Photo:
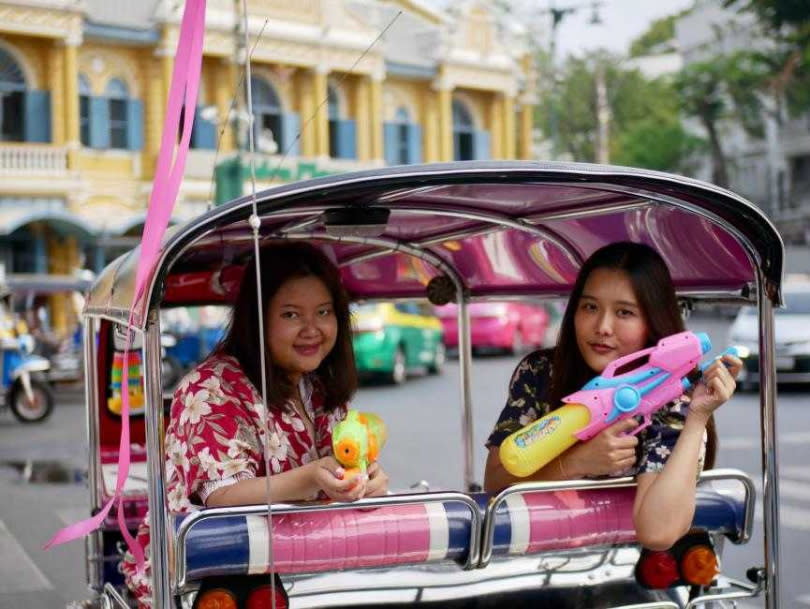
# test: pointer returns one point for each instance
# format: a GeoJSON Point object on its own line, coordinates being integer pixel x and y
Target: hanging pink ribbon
{"type": "Point", "coordinates": [169, 172]}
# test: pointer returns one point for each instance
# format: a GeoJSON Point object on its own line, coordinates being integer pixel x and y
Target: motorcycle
{"type": "Point", "coordinates": [22, 382]}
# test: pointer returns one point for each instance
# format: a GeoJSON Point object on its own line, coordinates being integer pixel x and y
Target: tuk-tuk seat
{"type": "Point", "coordinates": [328, 539]}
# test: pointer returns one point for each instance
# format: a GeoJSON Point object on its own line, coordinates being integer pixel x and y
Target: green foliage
{"type": "Point", "coordinates": [645, 129]}
{"type": "Point", "coordinates": [661, 31]}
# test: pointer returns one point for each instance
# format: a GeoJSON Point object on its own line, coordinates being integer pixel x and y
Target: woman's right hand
{"type": "Point", "coordinates": [608, 453]}
{"type": "Point", "coordinates": [326, 472]}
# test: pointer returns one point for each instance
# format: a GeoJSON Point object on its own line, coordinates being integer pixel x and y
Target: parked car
{"type": "Point", "coordinates": [392, 338]}
{"type": "Point", "coordinates": [512, 327]}
{"type": "Point", "coordinates": [791, 338]}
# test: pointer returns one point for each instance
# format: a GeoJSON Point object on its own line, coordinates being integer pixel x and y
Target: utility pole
{"type": "Point", "coordinates": [557, 15]}
{"type": "Point", "coordinates": [602, 116]}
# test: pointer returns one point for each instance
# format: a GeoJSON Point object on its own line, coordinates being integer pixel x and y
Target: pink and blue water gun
{"type": "Point", "coordinates": [636, 385]}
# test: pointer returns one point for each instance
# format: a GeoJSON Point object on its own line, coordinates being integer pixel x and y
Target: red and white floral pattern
{"type": "Point", "coordinates": [216, 437]}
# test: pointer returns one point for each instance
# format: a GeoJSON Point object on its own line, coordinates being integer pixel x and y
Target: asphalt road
{"type": "Point", "coordinates": [424, 418]}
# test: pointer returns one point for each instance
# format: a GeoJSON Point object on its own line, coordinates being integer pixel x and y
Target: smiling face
{"type": "Point", "coordinates": [608, 322]}
{"type": "Point", "coordinates": [301, 326]}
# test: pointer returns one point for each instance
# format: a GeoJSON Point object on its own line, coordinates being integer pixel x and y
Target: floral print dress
{"type": "Point", "coordinates": [528, 401]}
{"type": "Point", "coordinates": [215, 438]}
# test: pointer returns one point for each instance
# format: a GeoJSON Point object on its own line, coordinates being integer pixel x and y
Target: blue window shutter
{"type": "Point", "coordinates": [346, 140]}
{"type": "Point", "coordinates": [99, 122]}
{"type": "Point", "coordinates": [481, 145]}
{"type": "Point", "coordinates": [134, 124]}
{"type": "Point", "coordinates": [37, 122]}
{"type": "Point", "coordinates": [290, 126]}
{"type": "Point", "coordinates": [204, 133]}
{"type": "Point", "coordinates": [391, 143]}
{"type": "Point", "coordinates": [414, 143]}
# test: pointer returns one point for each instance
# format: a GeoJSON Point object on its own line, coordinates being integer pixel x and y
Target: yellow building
{"type": "Point", "coordinates": [84, 87]}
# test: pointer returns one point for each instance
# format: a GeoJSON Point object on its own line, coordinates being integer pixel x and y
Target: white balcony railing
{"type": "Point", "coordinates": [32, 160]}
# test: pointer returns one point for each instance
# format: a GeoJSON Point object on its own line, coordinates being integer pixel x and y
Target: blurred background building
{"type": "Point", "coordinates": [84, 85]}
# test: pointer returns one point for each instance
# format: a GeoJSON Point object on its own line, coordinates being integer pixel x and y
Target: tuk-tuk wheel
{"type": "Point", "coordinates": [31, 412]}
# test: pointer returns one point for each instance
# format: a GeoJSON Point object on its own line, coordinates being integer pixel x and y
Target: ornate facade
{"type": "Point", "coordinates": [337, 85]}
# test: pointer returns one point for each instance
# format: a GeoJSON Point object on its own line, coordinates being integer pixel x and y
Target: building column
{"type": "Point", "coordinates": [306, 112]}
{"type": "Point", "coordinates": [71, 105]}
{"type": "Point", "coordinates": [509, 148]}
{"type": "Point", "coordinates": [224, 84]}
{"type": "Point", "coordinates": [363, 118]}
{"type": "Point", "coordinates": [496, 127]}
{"type": "Point", "coordinates": [376, 114]}
{"type": "Point", "coordinates": [526, 125]}
{"type": "Point", "coordinates": [56, 83]}
{"type": "Point", "coordinates": [430, 135]}
{"type": "Point", "coordinates": [446, 125]}
{"type": "Point", "coordinates": [154, 115]}
{"type": "Point", "coordinates": [321, 122]}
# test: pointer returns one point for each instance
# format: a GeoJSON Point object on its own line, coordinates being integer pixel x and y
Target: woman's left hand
{"type": "Point", "coordinates": [377, 484]}
{"type": "Point", "coordinates": [717, 386]}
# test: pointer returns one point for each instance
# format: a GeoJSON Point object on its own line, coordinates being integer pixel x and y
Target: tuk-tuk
{"type": "Point", "coordinates": [466, 232]}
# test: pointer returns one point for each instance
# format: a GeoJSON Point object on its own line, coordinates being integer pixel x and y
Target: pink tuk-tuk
{"type": "Point", "coordinates": [462, 232]}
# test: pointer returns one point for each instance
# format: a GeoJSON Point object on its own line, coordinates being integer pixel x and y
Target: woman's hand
{"type": "Point", "coordinates": [377, 481]}
{"type": "Point", "coordinates": [327, 474]}
{"type": "Point", "coordinates": [608, 453]}
{"type": "Point", "coordinates": [716, 387]}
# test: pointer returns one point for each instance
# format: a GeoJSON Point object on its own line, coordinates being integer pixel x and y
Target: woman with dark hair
{"type": "Point", "coordinates": [622, 301]}
{"type": "Point", "coordinates": [220, 429]}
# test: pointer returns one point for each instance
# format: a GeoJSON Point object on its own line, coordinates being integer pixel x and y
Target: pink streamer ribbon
{"type": "Point", "coordinates": [168, 176]}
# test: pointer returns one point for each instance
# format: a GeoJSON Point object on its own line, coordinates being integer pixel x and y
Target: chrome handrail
{"type": "Point", "coordinates": [281, 508]}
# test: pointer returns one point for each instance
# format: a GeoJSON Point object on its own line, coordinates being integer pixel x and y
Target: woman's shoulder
{"type": "Point", "coordinates": [536, 363]}
{"type": "Point", "coordinates": [218, 365]}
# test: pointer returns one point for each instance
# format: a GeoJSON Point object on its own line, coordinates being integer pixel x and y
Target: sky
{"type": "Point", "coordinates": [622, 21]}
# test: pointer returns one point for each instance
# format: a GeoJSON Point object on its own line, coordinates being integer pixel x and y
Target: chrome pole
{"type": "Point", "coordinates": [770, 471]}
{"type": "Point", "coordinates": [158, 516]}
{"type": "Point", "coordinates": [465, 368]}
{"type": "Point", "coordinates": [94, 547]}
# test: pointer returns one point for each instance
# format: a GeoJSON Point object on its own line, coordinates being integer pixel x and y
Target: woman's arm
{"type": "Point", "coordinates": [665, 501]}
{"type": "Point", "coordinates": [296, 484]}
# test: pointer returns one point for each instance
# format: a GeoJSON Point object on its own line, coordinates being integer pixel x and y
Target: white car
{"type": "Point", "coordinates": [791, 337]}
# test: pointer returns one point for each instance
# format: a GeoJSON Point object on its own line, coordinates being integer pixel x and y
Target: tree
{"type": "Point", "coordinates": [645, 129]}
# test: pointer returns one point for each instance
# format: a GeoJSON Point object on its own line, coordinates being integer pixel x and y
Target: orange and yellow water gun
{"type": "Point", "coordinates": [357, 441]}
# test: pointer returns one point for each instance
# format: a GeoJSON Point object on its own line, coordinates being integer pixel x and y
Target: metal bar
{"type": "Point", "coordinates": [281, 509]}
{"type": "Point", "coordinates": [746, 591]}
{"type": "Point", "coordinates": [750, 496]}
{"type": "Point", "coordinates": [158, 511]}
{"type": "Point", "coordinates": [114, 598]}
{"type": "Point", "coordinates": [770, 470]}
{"type": "Point", "coordinates": [93, 544]}
{"type": "Point", "coordinates": [465, 369]}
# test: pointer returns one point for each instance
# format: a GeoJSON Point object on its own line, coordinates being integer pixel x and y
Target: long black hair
{"type": "Point", "coordinates": [280, 262]}
{"type": "Point", "coordinates": [655, 293]}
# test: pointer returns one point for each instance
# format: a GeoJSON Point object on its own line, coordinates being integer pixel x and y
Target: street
{"type": "Point", "coordinates": [424, 420]}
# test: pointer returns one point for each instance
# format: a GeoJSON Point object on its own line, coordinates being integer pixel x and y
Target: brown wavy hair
{"type": "Point", "coordinates": [336, 377]}
{"type": "Point", "coordinates": [655, 293]}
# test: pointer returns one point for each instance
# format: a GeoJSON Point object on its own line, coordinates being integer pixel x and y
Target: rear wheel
{"type": "Point", "coordinates": [439, 358]}
{"type": "Point", "coordinates": [399, 369]}
{"type": "Point", "coordinates": [37, 409]}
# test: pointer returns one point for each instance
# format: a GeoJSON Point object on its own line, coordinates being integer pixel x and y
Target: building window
{"type": "Point", "coordinates": [12, 94]}
{"type": "Point", "coordinates": [117, 96]}
{"type": "Point", "coordinates": [334, 116]}
{"type": "Point", "coordinates": [267, 115]}
{"type": "Point", "coordinates": [84, 110]}
{"type": "Point", "coordinates": [403, 137]}
{"type": "Point", "coordinates": [463, 132]}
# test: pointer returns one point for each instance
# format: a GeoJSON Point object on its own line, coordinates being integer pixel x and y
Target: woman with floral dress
{"type": "Point", "coordinates": [216, 438]}
{"type": "Point", "coordinates": [622, 301]}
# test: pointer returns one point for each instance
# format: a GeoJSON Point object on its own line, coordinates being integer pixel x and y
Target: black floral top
{"type": "Point", "coordinates": [528, 401]}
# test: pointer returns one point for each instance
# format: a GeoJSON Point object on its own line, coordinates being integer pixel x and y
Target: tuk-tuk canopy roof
{"type": "Point", "coordinates": [500, 228]}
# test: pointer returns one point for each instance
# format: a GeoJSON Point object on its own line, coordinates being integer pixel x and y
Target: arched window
{"type": "Point", "coordinates": [402, 120]}
{"type": "Point", "coordinates": [12, 94]}
{"type": "Point", "coordinates": [267, 116]}
{"type": "Point", "coordinates": [117, 95]}
{"type": "Point", "coordinates": [463, 132]}
{"type": "Point", "coordinates": [333, 102]}
{"type": "Point", "coordinates": [84, 109]}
